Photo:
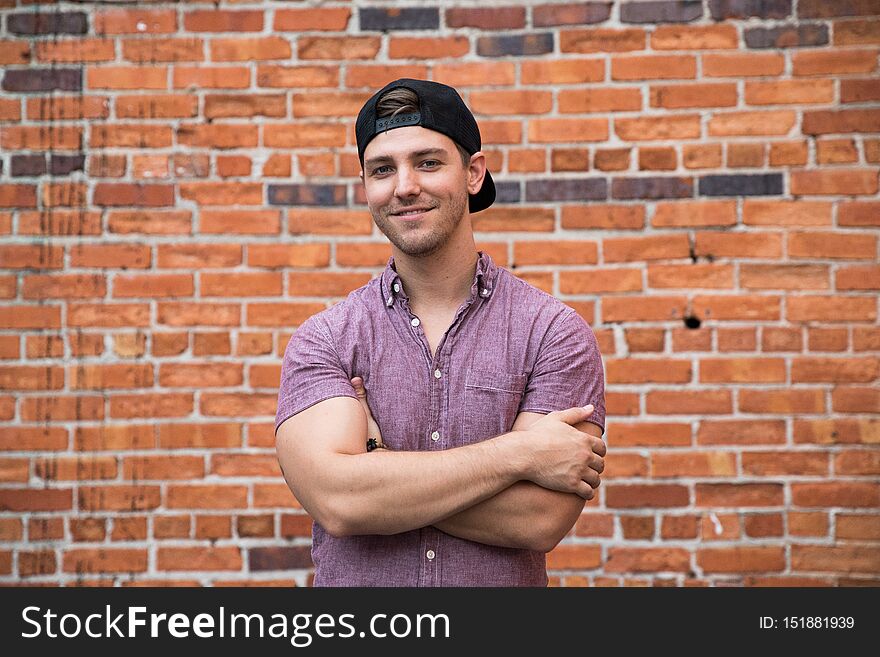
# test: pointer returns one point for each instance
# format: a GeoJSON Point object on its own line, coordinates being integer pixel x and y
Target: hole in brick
{"type": "Point", "coordinates": [692, 322]}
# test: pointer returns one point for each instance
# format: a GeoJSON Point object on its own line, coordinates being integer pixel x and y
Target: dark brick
{"type": "Point", "coordinates": [649, 187]}
{"type": "Point", "coordinates": [62, 165]}
{"type": "Point", "coordinates": [830, 8]}
{"type": "Point", "coordinates": [576, 189]}
{"type": "Point", "coordinates": [669, 11]}
{"type": "Point", "coordinates": [307, 194]}
{"type": "Point", "coordinates": [507, 192]}
{"type": "Point", "coordinates": [761, 184]}
{"type": "Point", "coordinates": [496, 18]}
{"type": "Point", "coordinates": [515, 45]}
{"type": "Point", "coordinates": [43, 79]}
{"type": "Point", "coordinates": [411, 18]}
{"type": "Point", "coordinates": [786, 36]}
{"type": "Point", "coordinates": [575, 14]}
{"type": "Point", "coordinates": [27, 165]}
{"type": "Point", "coordinates": [721, 9]}
{"type": "Point", "coordinates": [55, 23]}
{"type": "Point", "coordinates": [279, 558]}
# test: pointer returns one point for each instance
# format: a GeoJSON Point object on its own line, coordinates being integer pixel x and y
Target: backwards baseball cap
{"type": "Point", "coordinates": [440, 109]}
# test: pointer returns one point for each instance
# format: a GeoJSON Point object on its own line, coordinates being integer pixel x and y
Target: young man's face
{"type": "Point", "coordinates": [417, 187]}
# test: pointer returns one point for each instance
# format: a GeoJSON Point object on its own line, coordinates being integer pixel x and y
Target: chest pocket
{"type": "Point", "coordinates": [491, 403]}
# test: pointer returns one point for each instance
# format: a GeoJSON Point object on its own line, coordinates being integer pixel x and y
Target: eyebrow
{"type": "Point", "coordinates": [381, 159]}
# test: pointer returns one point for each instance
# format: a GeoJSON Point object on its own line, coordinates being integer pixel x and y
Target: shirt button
{"type": "Point", "coordinates": [396, 287]}
{"type": "Point", "coordinates": [430, 554]}
{"type": "Point", "coordinates": [437, 374]}
{"type": "Point", "coordinates": [485, 292]}
{"type": "Point", "coordinates": [390, 299]}
{"type": "Point", "coordinates": [415, 321]}
{"type": "Point", "coordinates": [435, 435]}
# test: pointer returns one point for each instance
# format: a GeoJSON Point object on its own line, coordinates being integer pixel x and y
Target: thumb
{"type": "Point", "coordinates": [575, 414]}
{"type": "Point", "coordinates": [358, 384]}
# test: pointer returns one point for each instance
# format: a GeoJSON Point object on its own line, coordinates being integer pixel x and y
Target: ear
{"type": "Point", "coordinates": [476, 172]}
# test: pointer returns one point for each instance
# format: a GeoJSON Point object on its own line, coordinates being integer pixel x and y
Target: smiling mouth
{"type": "Point", "coordinates": [411, 212]}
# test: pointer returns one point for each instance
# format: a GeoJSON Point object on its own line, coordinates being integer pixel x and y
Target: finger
{"type": "Point", "coordinates": [358, 384]}
{"type": "Point", "coordinates": [599, 447]}
{"type": "Point", "coordinates": [585, 491]}
{"type": "Point", "coordinates": [575, 414]}
{"type": "Point", "coordinates": [591, 477]}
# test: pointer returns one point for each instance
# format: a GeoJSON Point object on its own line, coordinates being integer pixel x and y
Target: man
{"type": "Point", "coordinates": [477, 381]}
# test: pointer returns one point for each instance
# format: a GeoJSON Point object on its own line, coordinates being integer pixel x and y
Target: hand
{"type": "Point", "coordinates": [372, 428]}
{"type": "Point", "coordinates": [562, 457]}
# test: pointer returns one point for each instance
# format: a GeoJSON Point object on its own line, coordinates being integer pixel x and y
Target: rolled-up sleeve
{"type": "Point", "coordinates": [568, 371]}
{"type": "Point", "coordinates": [310, 372]}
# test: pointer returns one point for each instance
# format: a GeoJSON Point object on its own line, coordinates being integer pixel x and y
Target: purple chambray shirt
{"type": "Point", "coordinates": [510, 348]}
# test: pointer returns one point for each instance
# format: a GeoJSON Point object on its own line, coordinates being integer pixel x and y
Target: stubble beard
{"type": "Point", "coordinates": [418, 241]}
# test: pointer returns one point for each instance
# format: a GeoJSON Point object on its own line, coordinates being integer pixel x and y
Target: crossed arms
{"type": "Point", "coordinates": [522, 489]}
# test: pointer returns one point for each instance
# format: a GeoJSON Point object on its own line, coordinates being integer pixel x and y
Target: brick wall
{"type": "Point", "coordinates": [178, 192]}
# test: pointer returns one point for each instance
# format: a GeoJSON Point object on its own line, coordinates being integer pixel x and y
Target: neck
{"type": "Point", "coordinates": [442, 280]}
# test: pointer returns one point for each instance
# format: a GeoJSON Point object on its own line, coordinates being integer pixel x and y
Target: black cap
{"type": "Point", "coordinates": [440, 109]}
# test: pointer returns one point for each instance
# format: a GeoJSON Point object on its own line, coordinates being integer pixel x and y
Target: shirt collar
{"type": "Point", "coordinates": [484, 279]}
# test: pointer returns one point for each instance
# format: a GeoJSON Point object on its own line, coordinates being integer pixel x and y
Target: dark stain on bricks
{"type": "Point", "coordinates": [833, 8]}
{"type": "Point", "coordinates": [651, 187]}
{"type": "Point", "coordinates": [761, 184]}
{"type": "Point", "coordinates": [62, 165]}
{"type": "Point", "coordinates": [578, 14]}
{"type": "Point", "coordinates": [508, 192]}
{"type": "Point", "coordinates": [410, 18]}
{"type": "Point", "coordinates": [279, 558]}
{"type": "Point", "coordinates": [674, 11]}
{"type": "Point", "coordinates": [27, 165]}
{"type": "Point", "coordinates": [575, 189]}
{"type": "Point", "coordinates": [43, 79]}
{"type": "Point", "coordinates": [722, 9]}
{"type": "Point", "coordinates": [786, 36]}
{"type": "Point", "coordinates": [307, 194]}
{"type": "Point", "coordinates": [515, 45]}
{"type": "Point", "coordinates": [56, 23]}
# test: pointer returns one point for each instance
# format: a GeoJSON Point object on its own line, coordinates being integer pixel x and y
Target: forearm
{"type": "Point", "coordinates": [524, 515]}
{"type": "Point", "coordinates": [388, 492]}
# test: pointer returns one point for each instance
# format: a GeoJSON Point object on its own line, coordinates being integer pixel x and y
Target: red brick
{"type": "Point", "coordinates": [693, 464]}
{"type": "Point", "coordinates": [119, 498]}
{"type": "Point", "coordinates": [198, 558]}
{"type": "Point", "coordinates": [856, 526]}
{"type": "Point", "coordinates": [648, 434]}
{"type": "Point", "coordinates": [102, 560]}
{"type": "Point", "coordinates": [774, 464]}
{"type": "Point", "coordinates": [854, 399]}
{"type": "Point", "coordinates": [834, 181]}
{"type": "Point", "coordinates": [778, 122]}
{"type": "Point", "coordinates": [75, 50]}
{"type": "Point", "coordinates": [831, 309]}
{"type": "Point", "coordinates": [836, 151]}
{"type": "Point", "coordinates": [789, 92]}
{"type": "Point", "coordinates": [333, 19]}
{"type": "Point", "coordinates": [653, 67]}
{"type": "Point", "coordinates": [741, 432]}
{"type": "Point", "coordinates": [614, 217]}
{"type": "Point", "coordinates": [690, 276]}
{"type": "Point", "coordinates": [733, 245]}
{"type": "Point", "coordinates": [694, 37]}
{"type": "Point", "coordinates": [741, 559]}
{"type": "Point", "coordinates": [825, 62]}
{"type": "Point", "coordinates": [647, 559]}
{"type": "Point", "coordinates": [836, 559]}
{"type": "Point", "coordinates": [739, 495]}
{"type": "Point", "coordinates": [567, 252]}
{"type": "Point", "coordinates": [832, 245]}
{"type": "Point", "coordinates": [764, 525]}
{"type": "Point", "coordinates": [154, 50]}
{"type": "Point", "coordinates": [135, 21]}
{"type": "Point", "coordinates": [786, 213]}
{"type": "Point", "coordinates": [808, 523]}
{"type": "Point", "coordinates": [677, 96]}
{"type": "Point", "coordinates": [742, 64]}
{"type": "Point", "coordinates": [831, 494]}
{"type": "Point", "coordinates": [642, 370]}
{"type": "Point", "coordinates": [686, 126]}
{"type": "Point", "coordinates": [785, 277]}
{"type": "Point", "coordinates": [223, 21]}
{"type": "Point", "coordinates": [857, 462]}
{"type": "Point", "coordinates": [574, 556]}
{"type": "Point", "coordinates": [742, 370]}
{"type": "Point", "coordinates": [622, 496]}
{"type": "Point", "coordinates": [567, 130]}
{"type": "Point", "coordinates": [701, 156]}
{"type": "Point", "coordinates": [376, 77]}
{"type": "Point", "coordinates": [218, 77]}
{"type": "Point", "coordinates": [419, 48]}
{"type": "Point", "coordinates": [834, 370]}
{"type": "Point", "coordinates": [836, 431]}
{"type": "Point", "coordinates": [602, 40]}
{"type": "Point", "coordinates": [568, 71]}
{"type": "Point", "coordinates": [858, 278]}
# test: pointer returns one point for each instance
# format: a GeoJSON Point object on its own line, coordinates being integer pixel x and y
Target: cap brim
{"type": "Point", "coordinates": [483, 198]}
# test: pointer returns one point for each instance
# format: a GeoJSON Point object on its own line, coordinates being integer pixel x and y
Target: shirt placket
{"type": "Point", "coordinates": [431, 540]}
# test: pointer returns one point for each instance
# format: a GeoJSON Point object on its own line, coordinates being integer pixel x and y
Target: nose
{"type": "Point", "coordinates": [407, 183]}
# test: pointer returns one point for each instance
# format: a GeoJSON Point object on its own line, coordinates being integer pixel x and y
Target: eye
{"type": "Point", "coordinates": [431, 163]}
{"type": "Point", "coordinates": [381, 170]}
